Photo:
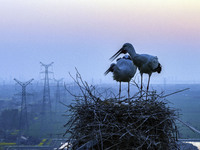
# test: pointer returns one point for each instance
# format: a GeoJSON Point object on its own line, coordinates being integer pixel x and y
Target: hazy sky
{"type": "Point", "coordinates": [86, 33]}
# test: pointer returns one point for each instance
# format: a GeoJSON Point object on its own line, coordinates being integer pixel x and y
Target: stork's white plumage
{"type": "Point", "coordinates": [145, 63]}
{"type": "Point", "coordinates": [123, 71]}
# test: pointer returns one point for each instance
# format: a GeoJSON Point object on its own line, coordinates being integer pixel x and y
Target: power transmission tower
{"type": "Point", "coordinates": [23, 124]}
{"type": "Point", "coordinates": [46, 112]}
{"type": "Point", "coordinates": [57, 92]}
{"type": "Point", "coordinates": [46, 103]}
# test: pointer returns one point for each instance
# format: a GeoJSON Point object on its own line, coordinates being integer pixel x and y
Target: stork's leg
{"type": "Point", "coordinates": [148, 86]}
{"type": "Point", "coordinates": [148, 83]}
{"type": "Point", "coordinates": [141, 81]}
{"type": "Point", "coordinates": [119, 89]}
{"type": "Point", "coordinates": [128, 89]}
{"type": "Point", "coordinates": [141, 85]}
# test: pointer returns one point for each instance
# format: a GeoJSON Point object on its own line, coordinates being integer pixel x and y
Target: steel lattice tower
{"type": "Point", "coordinates": [46, 113]}
{"type": "Point", "coordinates": [46, 103]}
{"type": "Point", "coordinates": [23, 124]}
{"type": "Point", "coordinates": [57, 93]}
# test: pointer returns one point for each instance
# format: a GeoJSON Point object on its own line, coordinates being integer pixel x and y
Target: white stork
{"type": "Point", "coordinates": [145, 63]}
{"type": "Point", "coordinates": [123, 71]}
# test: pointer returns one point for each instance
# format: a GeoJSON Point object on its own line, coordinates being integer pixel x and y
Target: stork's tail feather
{"type": "Point", "coordinates": [159, 68]}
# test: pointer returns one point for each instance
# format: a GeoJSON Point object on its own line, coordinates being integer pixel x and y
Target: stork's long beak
{"type": "Point", "coordinates": [116, 55]}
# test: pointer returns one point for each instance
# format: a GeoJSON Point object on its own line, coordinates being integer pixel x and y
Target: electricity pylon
{"type": "Point", "coordinates": [46, 112]}
{"type": "Point", "coordinates": [57, 93]}
{"type": "Point", "coordinates": [23, 123]}
{"type": "Point", "coordinates": [46, 103]}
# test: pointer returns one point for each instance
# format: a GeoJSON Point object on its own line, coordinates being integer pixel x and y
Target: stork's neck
{"type": "Point", "coordinates": [132, 52]}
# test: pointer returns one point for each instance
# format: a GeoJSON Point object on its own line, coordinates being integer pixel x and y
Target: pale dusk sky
{"type": "Point", "coordinates": [86, 33]}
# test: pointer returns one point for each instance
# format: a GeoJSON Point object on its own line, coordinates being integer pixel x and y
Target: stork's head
{"type": "Point", "coordinates": [111, 69]}
{"type": "Point", "coordinates": [126, 48]}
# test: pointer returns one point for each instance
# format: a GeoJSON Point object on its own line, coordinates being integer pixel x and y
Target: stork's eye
{"type": "Point", "coordinates": [124, 51]}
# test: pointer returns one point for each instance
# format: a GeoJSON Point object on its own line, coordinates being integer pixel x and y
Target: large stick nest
{"type": "Point", "coordinates": [141, 122]}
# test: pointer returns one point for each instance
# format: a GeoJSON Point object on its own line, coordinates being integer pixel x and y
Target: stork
{"type": "Point", "coordinates": [123, 71]}
{"type": "Point", "coordinates": [146, 63]}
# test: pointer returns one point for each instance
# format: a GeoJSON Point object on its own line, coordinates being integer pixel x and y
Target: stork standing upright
{"type": "Point", "coordinates": [123, 71]}
{"type": "Point", "coordinates": [145, 63]}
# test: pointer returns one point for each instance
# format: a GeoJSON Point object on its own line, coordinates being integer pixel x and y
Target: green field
{"type": "Point", "coordinates": [188, 105]}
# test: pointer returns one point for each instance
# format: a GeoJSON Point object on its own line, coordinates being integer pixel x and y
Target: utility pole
{"type": "Point", "coordinates": [57, 93]}
{"type": "Point", "coordinates": [23, 124]}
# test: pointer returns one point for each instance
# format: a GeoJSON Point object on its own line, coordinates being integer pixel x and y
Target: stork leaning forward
{"type": "Point", "coordinates": [145, 63]}
{"type": "Point", "coordinates": [123, 71]}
